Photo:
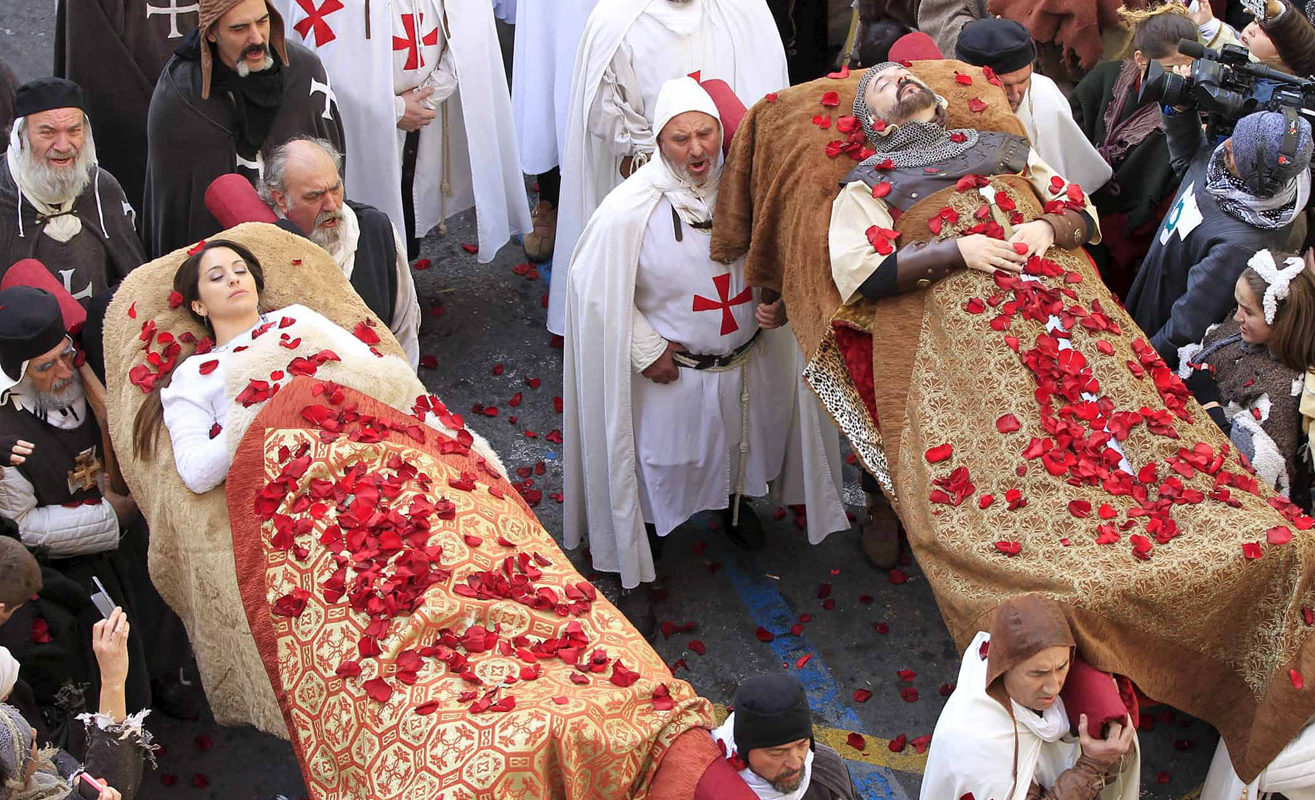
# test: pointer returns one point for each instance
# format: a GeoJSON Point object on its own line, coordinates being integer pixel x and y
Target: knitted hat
{"type": "Point", "coordinates": [771, 710]}
{"type": "Point", "coordinates": [15, 747]}
{"type": "Point", "coordinates": [1001, 44]}
{"type": "Point", "coordinates": [20, 575]}
{"type": "Point", "coordinates": [211, 11]}
{"type": "Point", "coordinates": [30, 324]}
{"type": "Point", "coordinates": [44, 94]}
{"type": "Point", "coordinates": [1257, 151]}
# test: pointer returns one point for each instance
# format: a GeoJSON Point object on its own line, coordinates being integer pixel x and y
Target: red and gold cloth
{"type": "Point", "coordinates": [478, 662]}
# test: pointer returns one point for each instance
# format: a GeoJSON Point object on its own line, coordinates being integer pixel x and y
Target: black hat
{"type": "Point", "coordinates": [771, 710]}
{"type": "Point", "coordinates": [1001, 44]}
{"type": "Point", "coordinates": [44, 94]}
{"type": "Point", "coordinates": [30, 324]}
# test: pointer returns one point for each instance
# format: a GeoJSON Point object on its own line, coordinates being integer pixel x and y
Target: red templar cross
{"type": "Point", "coordinates": [315, 21]}
{"type": "Point", "coordinates": [723, 284]}
{"type": "Point", "coordinates": [411, 22]}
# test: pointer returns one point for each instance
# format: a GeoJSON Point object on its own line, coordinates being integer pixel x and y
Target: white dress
{"type": "Point", "coordinates": [196, 401]}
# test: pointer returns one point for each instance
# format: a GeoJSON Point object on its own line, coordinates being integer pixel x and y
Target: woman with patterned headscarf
{"type": "Point", "coordinates": [116, 742]}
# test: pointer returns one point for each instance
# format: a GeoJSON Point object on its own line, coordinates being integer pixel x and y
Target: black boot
{"type": "Point", "coordinates": [748, 535]}
{"type": "Point", "coordinates": [637, 606]}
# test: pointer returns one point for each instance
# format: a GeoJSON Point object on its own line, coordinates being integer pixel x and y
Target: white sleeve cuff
{"type": "Point", "coordinates": [646, 344]}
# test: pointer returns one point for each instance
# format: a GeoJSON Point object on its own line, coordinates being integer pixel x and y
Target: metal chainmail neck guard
{"type": "Point", "coordinates": [913, 144]}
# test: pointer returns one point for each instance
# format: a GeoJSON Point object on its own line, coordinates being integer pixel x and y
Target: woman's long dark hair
{"type": "Point", "coordinates": [187, 282]}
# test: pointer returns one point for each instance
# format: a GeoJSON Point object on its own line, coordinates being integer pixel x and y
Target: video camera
{"type": "Point", "coordinates": [1227, 86]}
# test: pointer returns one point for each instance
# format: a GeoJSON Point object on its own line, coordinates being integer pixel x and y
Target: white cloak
{"type": "Point", "coordinates": [547, 36]}
{"type": "Point", "coordinates": [602, 491]}
{"type": "Point", "coordinates": [1048, 118]}
{"type": "Point", "coordinates": [1291, 773]}
{"type": "Point", "coordinates": [481, 131]}
{"type": "Point", "coordinates": [972, 746]}
{"type": "Point", "coordinates": [744, 33]}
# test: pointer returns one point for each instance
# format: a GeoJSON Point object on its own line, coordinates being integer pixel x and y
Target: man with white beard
{"type": "Point", "coordinates": [629, 48]}
{"type": "Point", "coordinates": [303, 184]}
{"type": "Point", "coordinates": [679, 395]}
{"type": "Point", "coordinates": [56, 204]}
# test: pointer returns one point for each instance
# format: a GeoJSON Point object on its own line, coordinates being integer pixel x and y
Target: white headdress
{"type": "Point", "coordinates": [1278, 280]}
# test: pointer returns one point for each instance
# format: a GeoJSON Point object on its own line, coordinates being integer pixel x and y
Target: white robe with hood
{"type": "Point", "coordinates": [629, 48]}
{"type": "Point", "coordinates": [481, 149]}
{"type": "Point", "coordinates": [973, 744]}
{"type": "Point", "coordinates": [1056, 137]}
{"type": "Point", "coordinates": [618, 472]}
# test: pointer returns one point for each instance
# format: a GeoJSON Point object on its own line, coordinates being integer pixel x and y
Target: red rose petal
{"type": "Point", "coordinates": [1079, 508]}
{"type": "Point", "coordinates": [764, 635]}
{"type": "Point", "coordinates": [1298, 682]}
{"type": "Point", "coordinates": [802, 660]}
{"type": "Point", "coordinates": [831, 99]}
{"type": "Point", "coordinates": [963, 80]}
{"type": "Point", "coordinates": [429, 362]}
{"type": "Point", "coordinates": [1010, 549]}
{"type": "Point", "coordinates": [939, 453]}
{"type": "Point", "coordinates": [908, 694]}
{"type": "Point", "coordinates": [856, 741]}
{"type": "Point", "coordinates": [976, 106]}
{"type": "Point", "coordinates": [1251, 551]}
{"type": "Point", "coordinates": [881, 189]}
{"type": "Point", "coordinates": [921, 743]}
{"type": "Point", "coordinates": [862, 695]}
{"type": "Point", "coordinates": [470, 248]}
{"type": "Point", "coordinates": [906, 674]}
{"type": "Point", "coordinates": [1278, 535]}
{"type": "Point", "coordinates": [898, 744]}
{"type": "Point", "coordinates": [1007, 423]}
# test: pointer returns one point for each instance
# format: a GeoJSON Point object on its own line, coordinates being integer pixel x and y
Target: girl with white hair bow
{"type": "Point", "coordinates": [1253, 373]}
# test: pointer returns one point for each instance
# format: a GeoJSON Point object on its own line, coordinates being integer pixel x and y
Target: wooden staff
{"type": "Point", "coordinates": [95, 391]}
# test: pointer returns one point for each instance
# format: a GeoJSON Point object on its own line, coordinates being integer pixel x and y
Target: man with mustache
{"type": "Point", "coordinates": [629, 48]}
{"type": "Point", "coordinates": [234, 89]}
{"type": "Point", "coordinates": [679, 395]}
{"type": "Point", "coordinates": [915, 156]}
{"type": "Point", "coordinates": [303, 184]}
{"type": "Point", "coordinates": [769, 739]}
{"type": "Point", "coordinates": [56, 203]}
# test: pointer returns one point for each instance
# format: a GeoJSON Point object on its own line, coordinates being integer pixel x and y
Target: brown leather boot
{"type": "Point", "coordinates": [539, 242]}
{"type": "Point", "coordinates": [879, 532]}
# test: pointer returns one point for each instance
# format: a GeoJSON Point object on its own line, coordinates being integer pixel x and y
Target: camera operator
{"type": "Point", "coordinates": [1236, 198]}
{"type": "Point", "coordinates": [1285, 35]}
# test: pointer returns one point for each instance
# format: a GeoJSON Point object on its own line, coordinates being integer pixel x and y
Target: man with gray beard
{"type": "Point", "coordinates": [56, 204]}
{"type": "Point", "coordinates": [303, 184]}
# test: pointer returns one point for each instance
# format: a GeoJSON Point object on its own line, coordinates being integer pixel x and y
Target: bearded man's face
{"type": "Point", "coordinates": [690, 142]}
{"type": "Point", "coordinates": [896, 95]}
{"type": "Point", "coordinates": [53, 143]}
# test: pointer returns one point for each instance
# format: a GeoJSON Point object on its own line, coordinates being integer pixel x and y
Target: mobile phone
{"type": "Point", "coordinates": [89, 788]}
{"type": "Point", "coordinates": [101, 599]}
{"type": "Point", "coordinates": [1255, 8]}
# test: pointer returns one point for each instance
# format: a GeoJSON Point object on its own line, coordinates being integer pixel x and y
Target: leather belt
{"type": "Point", "coordinates": [698, 361]}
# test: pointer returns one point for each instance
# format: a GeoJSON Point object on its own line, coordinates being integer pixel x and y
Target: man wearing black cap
{"type": "Point", "coordinates": [769, 739]}
{"type": "Point", "coordinates": [1006, 47]}
{"type": "Point", "coordinates": [56, 203]}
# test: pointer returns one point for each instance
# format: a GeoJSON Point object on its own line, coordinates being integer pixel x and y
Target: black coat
{"type": "Point", "coordinates": [191, 141]}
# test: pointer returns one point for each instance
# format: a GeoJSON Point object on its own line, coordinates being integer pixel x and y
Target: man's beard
{"type": "Point", "coordinates": [244, 67]}
{"type": "Point", "coordinates": [905, 107]}
{"type": "Point", "coordinates": [785, 785]}
{"type": "Point", "coordinates": [56, 184]}
{"type": "Point", "coordinates": [328, 238]}
{"type": "Point", "coordinates": [60, 396]}
{"type": "Point", "coordinates": [714, 171]}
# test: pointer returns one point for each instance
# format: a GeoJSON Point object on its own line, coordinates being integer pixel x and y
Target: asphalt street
{"type": "Point", "coordinates": [485, 344]}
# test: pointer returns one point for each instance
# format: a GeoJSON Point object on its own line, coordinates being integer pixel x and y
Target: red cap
{"type": "Point", "coordinates": [729, 108]}
{"type": "Point", "coordinates": [916, 46]}
{"type": "Point", "coordinates": [232, 200]}
{"type": "Point", "coordinates": [30, 272]}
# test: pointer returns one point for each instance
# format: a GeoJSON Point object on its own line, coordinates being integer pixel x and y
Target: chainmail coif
{"type": "Point", "coordinates": [911, 144]}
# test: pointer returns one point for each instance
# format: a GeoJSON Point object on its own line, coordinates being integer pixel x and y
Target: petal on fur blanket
{"type": "Point", "coordinates": [421, 629]}
{"type": "Point", "coordinates": [191, 556]}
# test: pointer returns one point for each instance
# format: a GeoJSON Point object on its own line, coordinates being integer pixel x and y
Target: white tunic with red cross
{"type": "Point", "coordinates": [687, 433]}
{"type": "Point", "coordinates": [417, 41]}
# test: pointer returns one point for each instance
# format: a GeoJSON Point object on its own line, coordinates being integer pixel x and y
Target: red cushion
{"type": "Point", "coordinates": [720, 781]}
{"type": "Point", "coordinates": [729, 107]}
{"type": "Point", "coordinates": [30, 272]}
{"type": "Point", "coordinates": [1103, 697]}
{"type": "Point", "coordinates": [916, 46]}
{"type": "Point", "coordinates": [232, 200]}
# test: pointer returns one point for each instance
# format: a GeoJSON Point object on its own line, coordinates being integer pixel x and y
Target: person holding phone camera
{"type": "Point", "coordinates": [117, 743]}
